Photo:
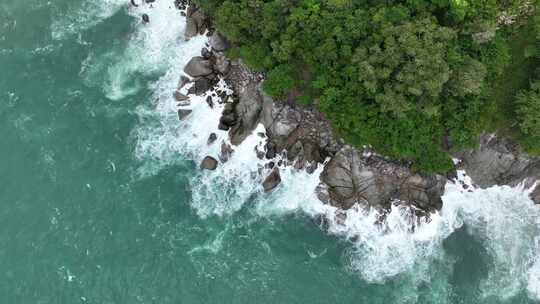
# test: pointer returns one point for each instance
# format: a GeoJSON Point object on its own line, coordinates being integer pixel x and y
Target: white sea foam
{"type": "Point", "coordinates": [502, 218]}
{"type": "Point", "coordinates": [81, 18]}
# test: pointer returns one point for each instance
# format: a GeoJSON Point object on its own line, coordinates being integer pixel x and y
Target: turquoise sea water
{"type": "Point", "coordinates": [101, 200]}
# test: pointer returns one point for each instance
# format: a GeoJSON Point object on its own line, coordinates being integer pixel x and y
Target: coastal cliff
{"type": "Point", "coordinates": [303, 137]}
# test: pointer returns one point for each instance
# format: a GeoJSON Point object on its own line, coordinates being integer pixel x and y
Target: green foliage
{"type": "Point", "coordinates": [279, 81]}
{"type": "Point", "coordinates": [528, 103]}
{"type": "Point", "coordinates": [408, 77]}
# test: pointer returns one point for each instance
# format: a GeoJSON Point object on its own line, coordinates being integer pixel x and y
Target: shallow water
{"type": "Point", "coordinates": [102, 202]}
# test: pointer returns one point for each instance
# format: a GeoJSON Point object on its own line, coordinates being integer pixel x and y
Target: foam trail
{"type": "Point", "coordinates": [79, 19]}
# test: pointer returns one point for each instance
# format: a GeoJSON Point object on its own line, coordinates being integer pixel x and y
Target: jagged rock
{"type": "Point", "coordinates": [312, 166]}
{"type": "Point", "coordinates": [218, 42]}
{"type": "Point", "coordinates": [223, 127]}
{"type": "Point", "coordinates": [209, 163]}
{"type": "Point", "coordinates": [180, 97]}
{"type": "Point", "coordinates": [198, 67]}
{"type": "Point", "coordinates": [499, 161]}
{"type": "Point", "coordinates": [191, 29]}
{"type": "Point", "coordinates": [195, 22]}
{"type": "Point", "coordinates": [210, 102]}
{"type": "Point", "coordinates": [352, 177]}
{"type": "Point", "coordinates": [272, 180]}
{"type": "Point", "coordinates": [211, 139]}
{"type": "Point", "coordinates": [260, 154]}
{"type": "Point", "coordinates": [228, 120]}
{"type": "Point", "coordinates": [183, 113]}
{"type": "Point", "coordinates": [222, 64]}
{"type": "Point", "coordinates": [182, 82]}
{"type": "Point", "coordinates": [535, 195]}
{"type": "Point", "coordinates": [201, 86]}
{"type": "Point", "coordinates": [247, 109]}
{"type": "Point", "coordinates": [225, 152]}
{"type": "Point", "coordinates": [270, 150]}
{"type": "Point", "coordinates": [206, 54]}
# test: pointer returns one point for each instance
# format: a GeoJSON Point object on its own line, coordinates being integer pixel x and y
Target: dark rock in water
{"type": "Point", "coordinates": [311, 167]}
{"type": "Point", "coordinates": [210, 102]}
{"type": "Point", "coordinates": [535, 195]}
{"type": "Point", "coordinates": [270, 150]}
{"type": "Point", "coordinates": [198, 67]}
{"type": "Point", "coordinates": [218, 42]}
{"type": "Point", "coordinates": [201, 86]}
{"type": "Point", "coordinates": [223, 127]}
{"type": "Point", "coordinates": [260, 154]}
{"type": "Point", "coordinates": [212, 138]}
{"type": "Point", "coordinates": [183, 81]}
{"type": "Point", "coordinates": [228, 120]}
{"type": "Point", "coordinates": [180, 97]}
{"type": "Point", "coordinates": [270, 165]}
{"type": "Point", "coordinates": [299, 131]}
{"type": "Point", "coordinates": [206, 54]}
{"type": "Point", "coordinates": [272, 180]}
{"type": "Point", "coordinates": [226, 152]}
{"type": "Point", "coordinates": [183, 113]}
{"type": "Point", "coordinates": [499, 161]}
{"type": "Point", "coordinates": [145, 18]}
{"type": "Point", "coordinates": [352, 177]}
{"type": "Point", "coordinates": [209, 163]}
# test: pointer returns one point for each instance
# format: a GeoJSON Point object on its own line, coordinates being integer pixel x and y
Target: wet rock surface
{"type": "Point", "coordinates": [272, 180]}
{"type": "Point", "coordinates": [355, 177]}
{"type": "Point", "coordinates": [209, 163]}
{"type": "Point", "coordinates": [499, 161]}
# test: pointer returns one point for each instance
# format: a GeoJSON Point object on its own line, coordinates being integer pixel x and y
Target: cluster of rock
{"type": "Point", "coordinates": [303, 137]}
{"type": "Point", "coordinates": [499, 161]}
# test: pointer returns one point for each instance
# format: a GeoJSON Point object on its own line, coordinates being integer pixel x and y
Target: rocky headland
{"type": "Point", "coordinates": [304, 139]}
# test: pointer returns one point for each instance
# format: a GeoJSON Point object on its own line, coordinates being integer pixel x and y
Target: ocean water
{"type": "Point", "coordinates": [101, 200]}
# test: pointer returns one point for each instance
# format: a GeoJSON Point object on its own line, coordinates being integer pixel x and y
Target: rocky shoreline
{"type": "Point", "coordinates": [304, 139]}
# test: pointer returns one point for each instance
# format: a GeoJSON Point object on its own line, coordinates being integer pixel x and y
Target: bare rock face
{"type": "Point", "coordinates": [222, 64]}
{"type": "Point", "coordinates": [272, 180]}
{"type": "Point", "coordinates": [353, 177]}
{"type": "Point", "coordinates": [304, 133]}
{"type": "Point", "coordinates": [196, 22]}
{"type": "Point", "coordinates": [218, 42]}
{"type": "Point", "coordinates": [183, 113]}
{"type": "Point", "coordinates": [535, 195]}
{"type": "Point", "coordinates": [499, 161]}
{"type": "Point", "coordinates": [209, 163]}
{"type": "Point", "coordinates": [247, 109]}
{"type": "Point", "coordinates": [198, 67]}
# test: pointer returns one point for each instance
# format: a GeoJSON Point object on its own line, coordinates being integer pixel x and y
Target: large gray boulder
{"type": "Point", "coordinates": [195, 22]}
{"type": "Point", "coordinates": [218, 42]}
{"type": "Point", "coordinates": [198, 67]}
{"type": "Point", "coordinates": [499, 161]}
{"type": "Point", "coordinates": [360, 177]}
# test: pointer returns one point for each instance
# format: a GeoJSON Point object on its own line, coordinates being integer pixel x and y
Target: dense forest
{"type": "Point", "coordinates": [412, 78]}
